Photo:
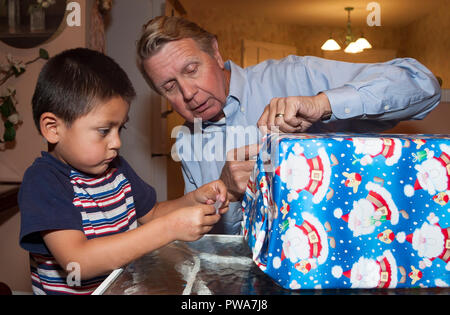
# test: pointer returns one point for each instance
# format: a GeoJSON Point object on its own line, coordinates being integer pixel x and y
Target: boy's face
{"type": "Point", "coordinates": [93, 140]}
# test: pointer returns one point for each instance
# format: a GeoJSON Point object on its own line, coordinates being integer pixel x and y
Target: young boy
{"type": "Point", "coordinates": [80, 202]}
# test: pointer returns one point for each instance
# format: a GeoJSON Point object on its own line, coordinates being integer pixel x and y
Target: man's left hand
{"type": "Point", "coordinates": [294, 113]}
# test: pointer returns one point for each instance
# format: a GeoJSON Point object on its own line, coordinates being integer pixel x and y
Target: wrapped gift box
{"type": "Point", "coordinates": [351, 211]}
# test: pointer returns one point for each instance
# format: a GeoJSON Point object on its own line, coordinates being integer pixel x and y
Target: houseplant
{"type": "Point", "coordinates": [10, 115]}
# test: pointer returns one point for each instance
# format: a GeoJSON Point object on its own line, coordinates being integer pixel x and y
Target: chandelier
{"type": "Point", "coordinates": [352, 46]}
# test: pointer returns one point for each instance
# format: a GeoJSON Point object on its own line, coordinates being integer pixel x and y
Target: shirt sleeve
{"type": "Point", "coordinates": [45, 203]}
{"type": "Point", "coordinates": [144, 195]}
{"type": "Point", "coordinates": [400, 89]}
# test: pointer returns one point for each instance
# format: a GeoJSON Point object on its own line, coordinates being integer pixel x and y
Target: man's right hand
{"type": "Point", "coordinates": [237, 169]}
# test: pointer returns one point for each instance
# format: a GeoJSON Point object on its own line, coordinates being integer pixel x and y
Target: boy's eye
{"type": "Point", "coordinates": [103, 131]}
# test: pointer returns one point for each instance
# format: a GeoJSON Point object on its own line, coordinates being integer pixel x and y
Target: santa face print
{"type": "Point", "coordinates": [389, 149]}
{"type": "Point", "coordinates": [370, 212]}
{"type": "Point", "coordinates": [361, 218]}
{"type": "Point", "coordinates": [428, 241]}
{"type": "Point", "coordinates": [432, 176]}
{"type": "Point", "coordinates": [293, 170]}
{"type": "Point", "coordinates": [295, 244]}
{"type": "Point", "coordinates": [365, 273]}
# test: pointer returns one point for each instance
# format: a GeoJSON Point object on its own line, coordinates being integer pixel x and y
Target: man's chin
{"type": "Point", "coordinates": [217, 117]}
{"type": "Point", "coordinates": [212, 114]}
{"type": "Point", "coordinates": [207, 115]}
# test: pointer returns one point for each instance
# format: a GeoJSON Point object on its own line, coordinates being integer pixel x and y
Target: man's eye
{"type": "Point", "coordinates": [192, 69]}
{"type": "Point", "coordinates": [169, 87]}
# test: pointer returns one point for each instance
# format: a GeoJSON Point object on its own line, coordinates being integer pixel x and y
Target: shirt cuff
{"type": "Point", "coordinates": [345, 103]}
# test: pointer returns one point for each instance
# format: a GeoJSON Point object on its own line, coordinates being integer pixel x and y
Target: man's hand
{"type": "Point", "coordinates": [237, 170]}
{"type": "Point", "coordinates": [294, 113]}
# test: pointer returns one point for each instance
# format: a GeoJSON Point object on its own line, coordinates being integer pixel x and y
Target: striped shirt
{"type": "Point", "coordinates": [53, 196]}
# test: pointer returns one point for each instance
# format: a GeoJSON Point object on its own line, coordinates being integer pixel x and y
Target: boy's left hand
{"type": "Point", "coordinates": [211, 193]}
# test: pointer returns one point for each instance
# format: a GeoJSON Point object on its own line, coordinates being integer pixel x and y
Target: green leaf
{"type": "Point", "coordinates": [18, 71]}
{"type": "Point", "coordinates": [10, 132]}
{"type": "Point", "coordinates": [8, 124]}
{"type": "Point", "coordinates": [7, 107]}
{"type": "Point", "coordinates": [43, 53]}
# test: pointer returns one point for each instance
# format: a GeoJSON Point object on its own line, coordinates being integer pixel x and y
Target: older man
{"type": "Point", "coordinates": [221, 101]}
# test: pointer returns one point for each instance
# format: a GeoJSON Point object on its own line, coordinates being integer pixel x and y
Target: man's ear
{"type": "Point", "coordinates": [50, 126]}
{"type": "Point", "coordinates": [217, 55]}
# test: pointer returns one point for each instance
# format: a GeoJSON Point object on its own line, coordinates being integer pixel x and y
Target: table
{"type": "Point", "coordinates": [213, 265]}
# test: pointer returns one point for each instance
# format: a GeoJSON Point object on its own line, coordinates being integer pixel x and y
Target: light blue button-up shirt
{"type": "Point", "coordinates": [363, 98]}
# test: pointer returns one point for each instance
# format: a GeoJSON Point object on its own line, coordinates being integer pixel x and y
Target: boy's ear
{"type": "Point", "coordinates": [50, 126]}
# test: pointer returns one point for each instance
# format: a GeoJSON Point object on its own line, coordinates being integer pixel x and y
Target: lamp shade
{"type": "Point", "coordinates": [330, 45]}
{"type": "Point", "coordinates": [353, 48]}
{"type": "Point", "coordinates": [363, 43]}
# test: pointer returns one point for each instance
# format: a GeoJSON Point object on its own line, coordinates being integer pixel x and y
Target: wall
{"type": "Point", "coordinates": [14, 162]}
{"type": "Point", "coordinates": [428, 40]}
{"type": "Point", "coordinates": [231, 29]}
{"type": "Point", "coordinates": [14, 269]}
{"type": "Point", "coordinates": [144, 130]}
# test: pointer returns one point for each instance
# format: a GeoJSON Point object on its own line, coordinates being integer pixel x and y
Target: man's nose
{"type": "Point", "coordinates": [188, 89]}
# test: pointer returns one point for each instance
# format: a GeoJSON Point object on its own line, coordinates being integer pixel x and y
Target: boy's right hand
{"type": "Point", "coordinates": [191, 223]}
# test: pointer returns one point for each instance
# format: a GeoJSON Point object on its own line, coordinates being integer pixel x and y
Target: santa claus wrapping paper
{"type": "Point", "coordinates": [347, 211]}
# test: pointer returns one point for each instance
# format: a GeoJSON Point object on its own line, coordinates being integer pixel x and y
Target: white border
{"type": "Point", "coordinates": [107, 282]}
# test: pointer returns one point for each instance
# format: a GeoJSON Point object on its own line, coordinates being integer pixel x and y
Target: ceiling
{"type": "Point", "coordinates": [394, 13]}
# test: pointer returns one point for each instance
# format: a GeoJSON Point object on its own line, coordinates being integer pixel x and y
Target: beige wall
{"type": "Point", "coordinates": [428, 40]}
{"type": "Point", "coordinates": [14, 161]}
{"type": "Point", "coordinates": [231, 29]}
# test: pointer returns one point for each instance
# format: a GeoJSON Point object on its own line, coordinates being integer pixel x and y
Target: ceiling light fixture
{"type": "Point", "coordinates": [352, 46]}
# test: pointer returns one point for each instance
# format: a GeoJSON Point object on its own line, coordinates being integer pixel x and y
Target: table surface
{"type": "Point", "coordinates": [215, 264]}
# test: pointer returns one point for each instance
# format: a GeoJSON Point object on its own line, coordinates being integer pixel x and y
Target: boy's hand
{"type": "Point", "coordinates": [191, 223]}
{"type": "Point", "coordinates": [212, 193]}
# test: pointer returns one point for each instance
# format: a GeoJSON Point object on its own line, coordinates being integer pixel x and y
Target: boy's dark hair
{"type": "Point", "coordinates": [74, 81]}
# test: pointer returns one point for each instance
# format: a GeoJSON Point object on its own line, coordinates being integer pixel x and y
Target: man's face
{"type": "Point", "coordinates": [192, 80]}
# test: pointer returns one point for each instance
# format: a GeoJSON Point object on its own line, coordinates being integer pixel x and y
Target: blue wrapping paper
{"type": "Point", "coordinates": [351, 211]}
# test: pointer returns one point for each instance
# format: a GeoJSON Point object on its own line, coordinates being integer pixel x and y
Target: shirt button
{"type": "Point", "coordinates": [242, 109]}
{"type": "Point", "coordinates": [347, 110]}
{"type": "Point", "coordinates": [386, 107]}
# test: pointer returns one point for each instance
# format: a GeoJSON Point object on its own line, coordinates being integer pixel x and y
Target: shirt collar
{"type": "Point", "coordinates": [235, 95]}
{"type": "Point", "coordinates": [237, 81]}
